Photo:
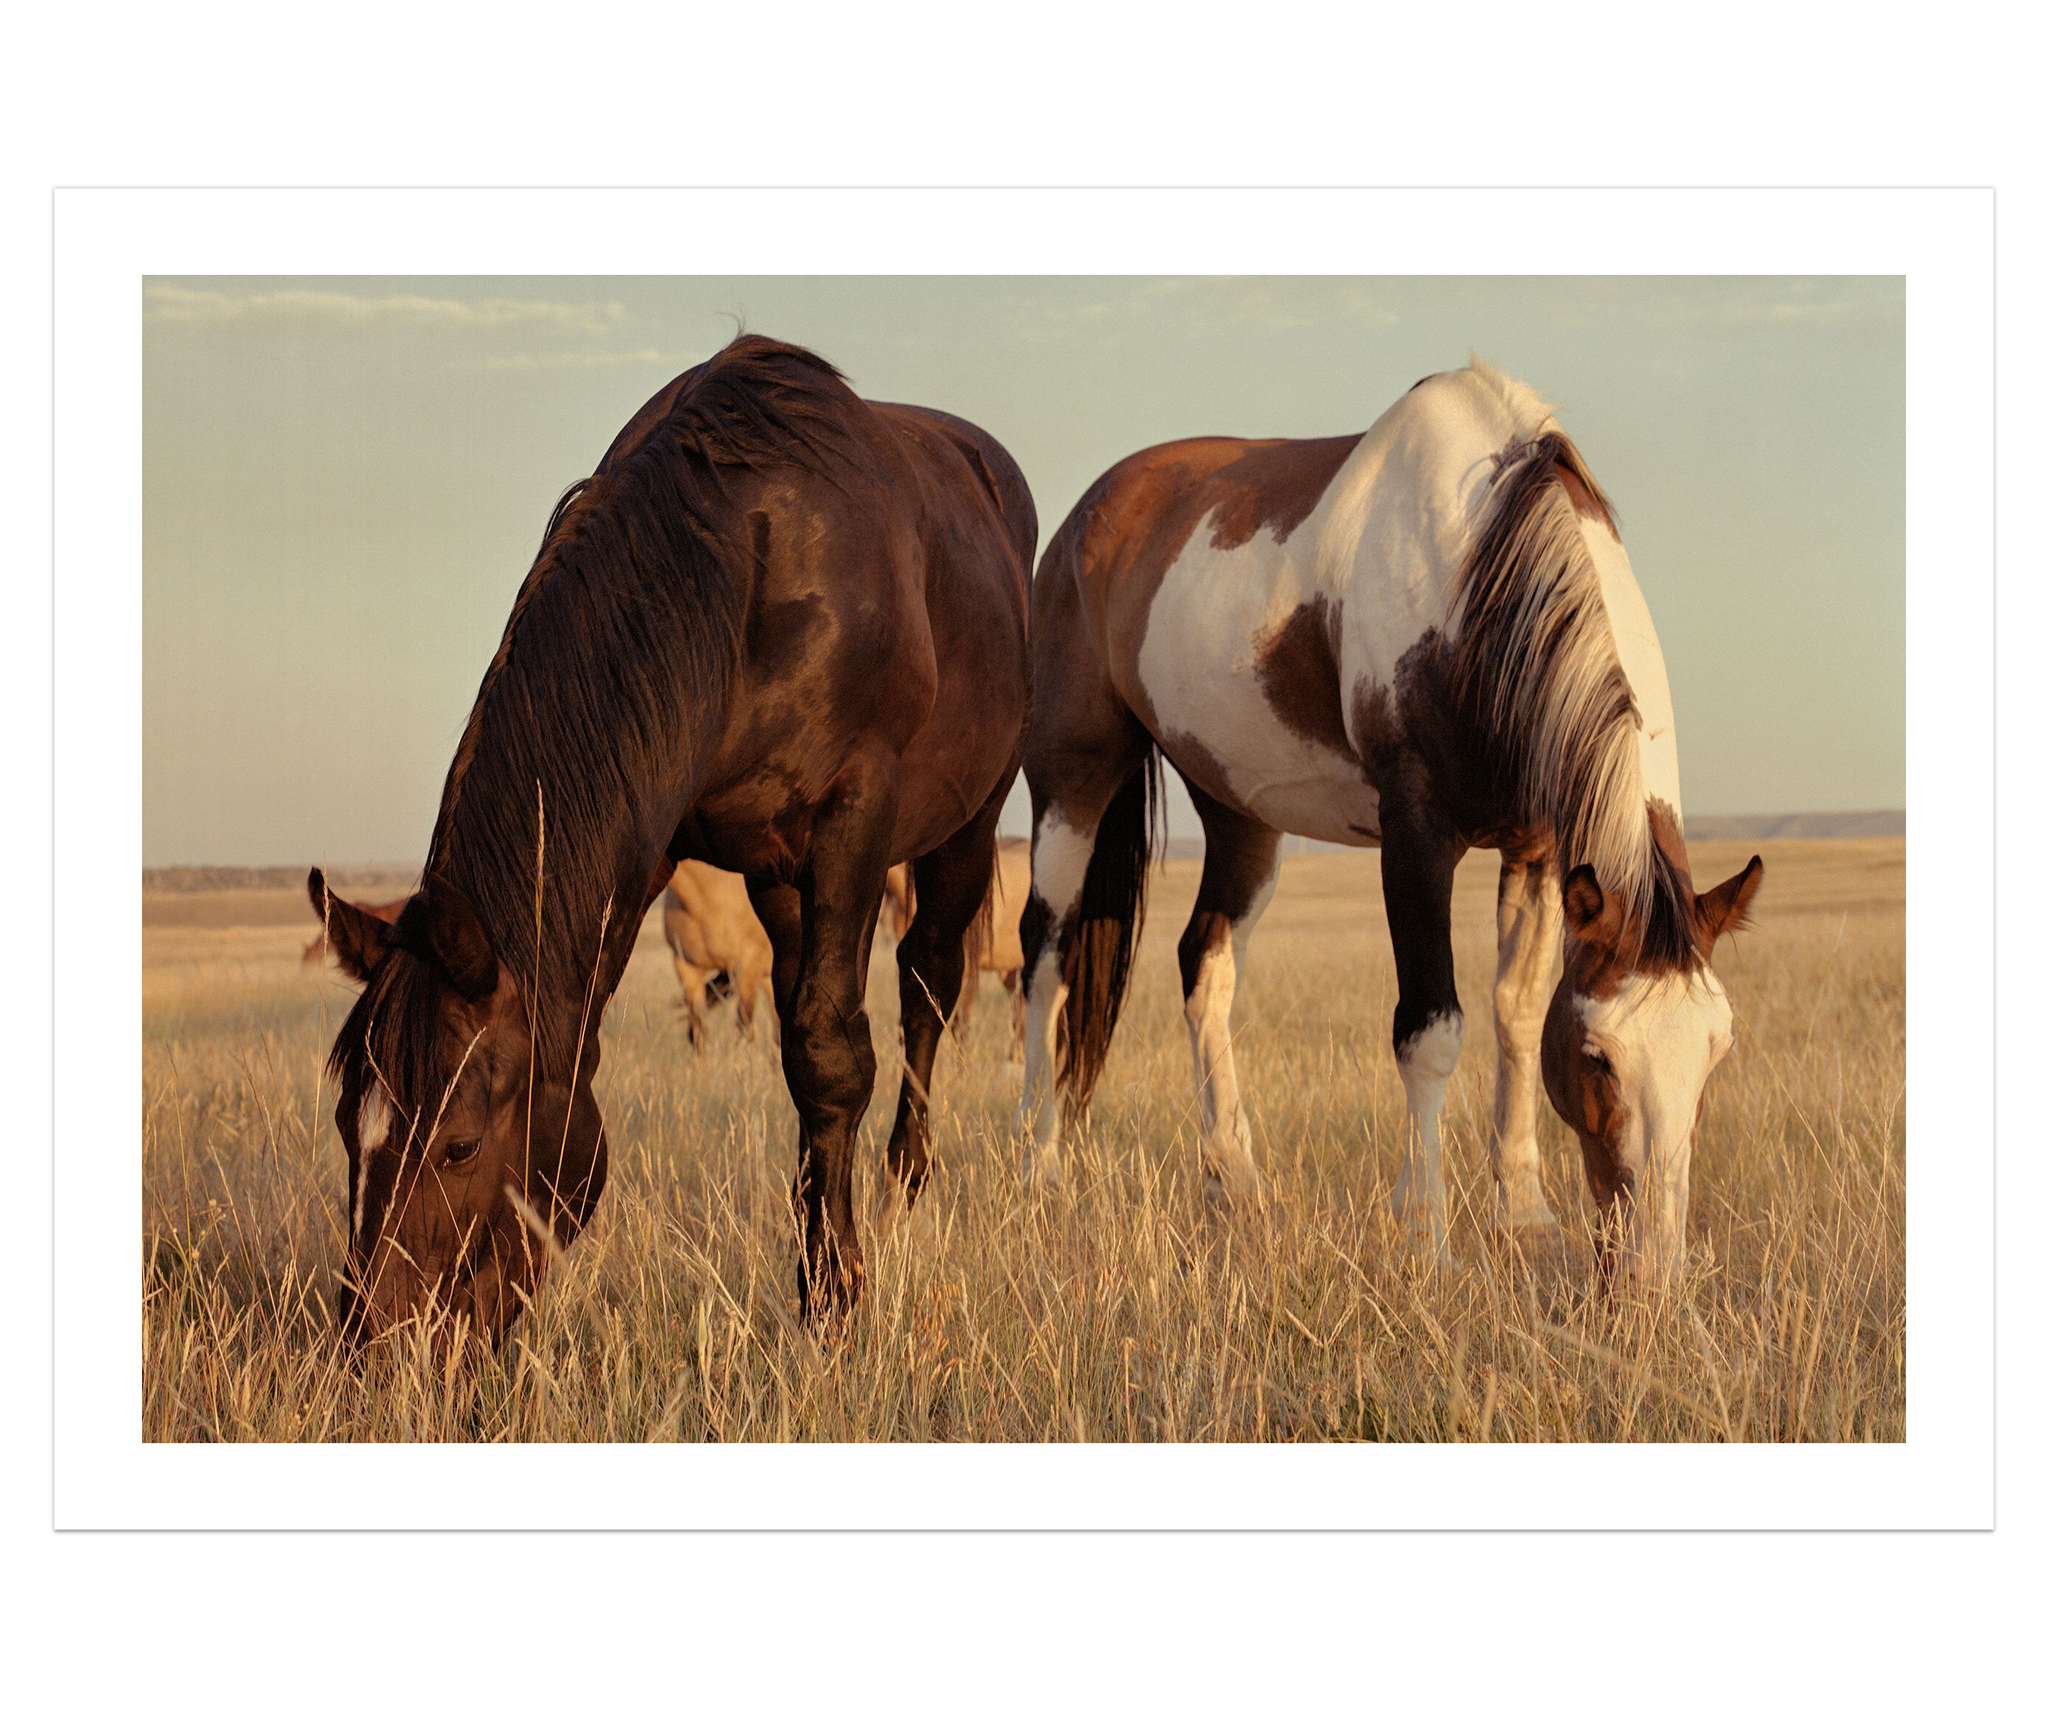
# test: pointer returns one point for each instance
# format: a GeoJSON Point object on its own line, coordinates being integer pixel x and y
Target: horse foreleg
{"type": "Point", "coordinates": [1528, 915]}
{"type": "Point", "coordinates": [1419, 859]}
{"type": "Point", "coordinates": [828, 1051]}
{"type": "Point", "coordinates": [1240, 866]}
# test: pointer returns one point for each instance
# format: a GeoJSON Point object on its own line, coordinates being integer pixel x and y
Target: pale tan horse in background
{"type": "Point", "coordinates": [711, 929]}
{"type": "Point", "coordinates": [1002, 944]}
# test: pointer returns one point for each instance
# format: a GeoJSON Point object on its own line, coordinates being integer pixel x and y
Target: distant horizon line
{"type": "Point", "coordinates": [1708, 826]}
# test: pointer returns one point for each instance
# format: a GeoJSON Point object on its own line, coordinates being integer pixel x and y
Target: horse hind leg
{"type": "Point", "coordinates": [1093, 771]}
{"type": "Point", "coordinates": [1528, 914]}
{"type": "Point", "coordinates": [932, 963]}
{"type": "Point", "coordinates": [1089, 850]}
{"type": "Point", "coordinates": [1240, 866]}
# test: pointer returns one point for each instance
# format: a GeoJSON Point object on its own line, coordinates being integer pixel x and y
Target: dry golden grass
{"type": "Point", "coordinates": [1119, 1308]}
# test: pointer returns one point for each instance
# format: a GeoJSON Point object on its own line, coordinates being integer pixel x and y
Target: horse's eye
{"type": "Point", "coordinates": [460, 1151]}
{"type": "Point", "coordinates": [1594, 1059]}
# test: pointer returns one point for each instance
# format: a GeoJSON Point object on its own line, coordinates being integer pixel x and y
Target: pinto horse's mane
{"type": "Point", "coordinates": [1535, 667]}
{"type": "Point", "coordinates": [605, 692]}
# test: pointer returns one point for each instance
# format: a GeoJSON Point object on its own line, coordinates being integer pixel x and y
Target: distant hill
{"type": "Point", "coordinates": [1797, 826]}
{"type": "Point", "coordinates": [1752, 826]}
{"type": "Point", "coordinates": [193, 879]}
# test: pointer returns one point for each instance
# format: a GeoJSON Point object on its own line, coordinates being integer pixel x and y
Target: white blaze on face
{"type": "Point", "coordinates": [1663, 1037]}
{"type": "Point", "coordinates": [373, 1128]}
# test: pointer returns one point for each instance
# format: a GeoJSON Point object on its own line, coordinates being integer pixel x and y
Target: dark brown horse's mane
{"type": "Point", "coordinates": [609, 682]}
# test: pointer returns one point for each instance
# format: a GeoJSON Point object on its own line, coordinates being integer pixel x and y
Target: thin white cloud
{"type": "Point", "coordinates": [1736, 304]}
{"type": "Point", "coordinates": [1272, 304]}
{"type": "Point", "coordinates": [583, 360]}
{"type": "Point", "coordinates": [189, 307]}
{"type": "Point", "coordinates": [1821, 314]}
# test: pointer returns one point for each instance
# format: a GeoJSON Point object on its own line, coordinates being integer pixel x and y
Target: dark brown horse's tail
{"type": "Point", "coordinates": [1102, 940]}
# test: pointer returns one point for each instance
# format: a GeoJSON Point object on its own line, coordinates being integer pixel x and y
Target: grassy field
{"type": "Point", "coordinates": [1118, 1308]}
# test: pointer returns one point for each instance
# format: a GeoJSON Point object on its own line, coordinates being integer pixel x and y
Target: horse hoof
{"type": "Point", "coordinates": [894, 1209]}
{"type": "Point", "coordinates": [1040, 1171]}
{"type": "Point", "coordinates": [1234, 1188]}
{"type": "Point", "coordinates": [1427, 1248]}
{"type": "Point", "coordinates": [1538, 1235]}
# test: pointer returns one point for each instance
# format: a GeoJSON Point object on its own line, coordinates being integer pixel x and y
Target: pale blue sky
{"type": "Point", "coordinates": [345, 480]}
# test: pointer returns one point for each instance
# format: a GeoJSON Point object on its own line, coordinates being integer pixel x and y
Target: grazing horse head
{"type": "Point", "coordinates": [1633, 1031]}
{"type": "Point", "coordinates": [468, 1160]}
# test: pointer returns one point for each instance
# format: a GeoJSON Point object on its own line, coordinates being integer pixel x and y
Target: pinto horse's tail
{"type": "Point", "coordinates": [1099, 943]}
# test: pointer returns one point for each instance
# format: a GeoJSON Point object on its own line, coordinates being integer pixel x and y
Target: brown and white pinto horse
{"type": "Point", "coordinates": [1424, 638]}
{"type": "Point", "coordinates": [780, 630]}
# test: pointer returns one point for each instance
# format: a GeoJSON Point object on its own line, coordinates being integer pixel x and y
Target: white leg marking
{"type": "Point", "coordinates": [1226, 1132]}
{"type": "Point", "coordinates": [1059, 862]}
{"type": "Point", "coordinates": [1059, 866]}
{"type": "Point", "coordinates": [1529, 915]}
{"type": "Point", "coordinates": [1426, 1062]}
{"type": "Point", "coordinates": [1038, 1109]}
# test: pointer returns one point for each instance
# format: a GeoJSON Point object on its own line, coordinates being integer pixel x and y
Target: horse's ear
{"type": "Point", "coordinates": [360, 940]}
{"type": "Point", "coordinates": [1725, 907]}
{"type": "Point", "coordinates": [455, 939]}
{"type": "Point", "coordinates": [1590, 913]}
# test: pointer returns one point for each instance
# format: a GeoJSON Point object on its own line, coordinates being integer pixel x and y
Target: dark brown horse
{"type": "Point", "coordinates": [780, 630]}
